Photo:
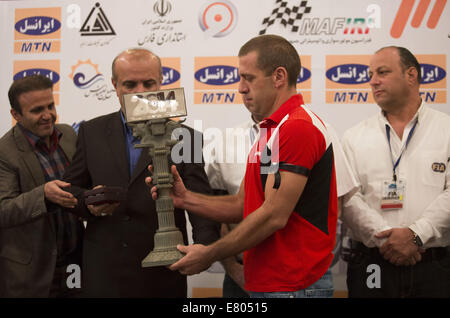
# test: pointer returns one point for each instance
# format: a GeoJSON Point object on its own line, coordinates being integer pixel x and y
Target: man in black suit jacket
{"type": "Point", "coordinates": [115, 244]}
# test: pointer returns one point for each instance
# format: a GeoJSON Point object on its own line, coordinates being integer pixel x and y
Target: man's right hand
{"type": "Point", "coordinates": [399, 248]}
{"type": "Point", "coordinates": [177, 192]}
{"type": "Point", "coordinates": [54, 193]}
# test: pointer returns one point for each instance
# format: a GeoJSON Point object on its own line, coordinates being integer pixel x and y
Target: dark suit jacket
{"type": "Point", "coordinates": [115, 245]}
{"type": "Point", "coordinates": [27, 235]}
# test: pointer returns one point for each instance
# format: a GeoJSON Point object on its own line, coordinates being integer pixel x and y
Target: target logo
{"type": "Point", "coordinates": [217, 18]}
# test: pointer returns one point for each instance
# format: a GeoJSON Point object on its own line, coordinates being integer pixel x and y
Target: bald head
{"type": "Point", "coordinates": [135, 54]}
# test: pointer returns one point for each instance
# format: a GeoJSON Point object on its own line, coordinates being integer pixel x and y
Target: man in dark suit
{"type": "Point", "coordinates": [38, 241]}
{"type": "Point", "coordinates": [119, 236]}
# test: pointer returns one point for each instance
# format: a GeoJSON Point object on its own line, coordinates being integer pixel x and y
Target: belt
{"type": "Point", "coordinates": [430, 254]}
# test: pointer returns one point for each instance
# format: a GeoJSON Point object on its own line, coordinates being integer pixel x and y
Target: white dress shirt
{"type": "Point", "coordinates": [345, 181]}
{"type": "Point", "coordinates": [423, 167]}
{"type": "Point", "coordinates": [226, 167]}
{"type": "Point", "coordinates": [225, 164]}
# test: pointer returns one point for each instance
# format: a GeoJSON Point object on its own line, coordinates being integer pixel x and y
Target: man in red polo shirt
{"type": "Point", "coordinates": [287, 201]}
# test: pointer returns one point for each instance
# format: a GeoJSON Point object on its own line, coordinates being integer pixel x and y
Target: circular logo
{"type": "Point", "coordinates": [85, 74]}
{"type": "Point", "coordinates": [217, 18]}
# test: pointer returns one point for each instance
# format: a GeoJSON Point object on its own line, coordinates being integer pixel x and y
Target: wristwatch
{"type": "Point", "coordinates": [416, 239]}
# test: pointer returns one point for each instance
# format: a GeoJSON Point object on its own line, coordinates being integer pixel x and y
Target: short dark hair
{"type": "Point", "coordinates": [407, 60]}
{"type": "Point", "coordinates": [27, 84]}
{"type": "Point", "coordinates": [274, 51]}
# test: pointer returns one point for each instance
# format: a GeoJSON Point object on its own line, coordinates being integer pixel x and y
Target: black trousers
{"type": "Point", "coordinates": [430, 278]}
{"type": "Point", "coordinates": [231, 289]}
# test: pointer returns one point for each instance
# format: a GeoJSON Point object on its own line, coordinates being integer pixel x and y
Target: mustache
{"type": "Point", "coordinates": [52, 120]}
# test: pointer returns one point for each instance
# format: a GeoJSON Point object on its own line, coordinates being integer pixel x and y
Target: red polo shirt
{"type": "Point", "coordinates": [297, 255]}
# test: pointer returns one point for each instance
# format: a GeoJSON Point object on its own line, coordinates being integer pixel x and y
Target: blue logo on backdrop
{"type": "Point", "coordinates": [304, 75]}
{"type": "Point", "coordinates": [35, 71]}
{"type": "Point", "coordinates": [431, 73]}
{"type": "Point", "coordinates": [37, 25]}
{"type": "Point", "coordinates": [349, 74]}
{"type": "Point", "coordinates": [170, 75]}
{"type": "Point", "coordinates": [217, 75]}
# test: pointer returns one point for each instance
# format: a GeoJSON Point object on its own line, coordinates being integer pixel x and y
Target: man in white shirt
{"type": "Point", "coordinates": [225, 170]}
{"type": "Point", "coordinates": [400, 217]}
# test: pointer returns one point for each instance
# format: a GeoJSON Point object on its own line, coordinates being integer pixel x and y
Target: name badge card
{"type": "Point", "coordinates": [393, 195]}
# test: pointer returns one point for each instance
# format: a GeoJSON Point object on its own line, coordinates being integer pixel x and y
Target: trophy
{"type": "Point", "coordinates": [149, 114]}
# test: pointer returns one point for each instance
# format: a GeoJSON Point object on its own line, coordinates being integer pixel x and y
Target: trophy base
{"type": "Point", "coordinates": [165, 250]}
{"type": "Point", "coordinates": [162, 258]}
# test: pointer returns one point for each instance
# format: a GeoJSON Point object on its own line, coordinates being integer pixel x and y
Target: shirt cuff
{"type": "Point", "coordinates": [423, 229]}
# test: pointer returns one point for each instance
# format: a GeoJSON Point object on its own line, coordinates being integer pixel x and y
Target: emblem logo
{"type": "Point", "coordinates": [438, 167]}
{"type": "Point", "coordinates": [86, 76]}
{"type": "Point", "coordinates": [97, 23]}
{"type": "Point", "coordinates": [162, 8]}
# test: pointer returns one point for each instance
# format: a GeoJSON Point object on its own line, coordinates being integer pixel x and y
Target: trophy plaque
{"type": "Point", "coordinates": [149, 114]}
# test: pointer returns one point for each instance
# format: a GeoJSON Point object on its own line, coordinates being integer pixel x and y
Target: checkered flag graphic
{"type": "Point", "coordinates": [286, 16]}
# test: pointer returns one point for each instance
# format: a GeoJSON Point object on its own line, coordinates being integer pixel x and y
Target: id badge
{"type": "Point", "coordinates": [393, 195]}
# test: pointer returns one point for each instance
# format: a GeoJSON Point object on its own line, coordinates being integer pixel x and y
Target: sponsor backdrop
{"type": "Point", "coordinates": [74, 42]}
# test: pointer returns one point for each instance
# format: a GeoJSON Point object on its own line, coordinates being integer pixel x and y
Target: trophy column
{"type": "Point", "coordinates": [156, 134]}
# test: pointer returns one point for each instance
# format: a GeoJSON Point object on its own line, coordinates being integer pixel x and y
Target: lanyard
{"type": "Point", "coordinates": [388, 134]}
